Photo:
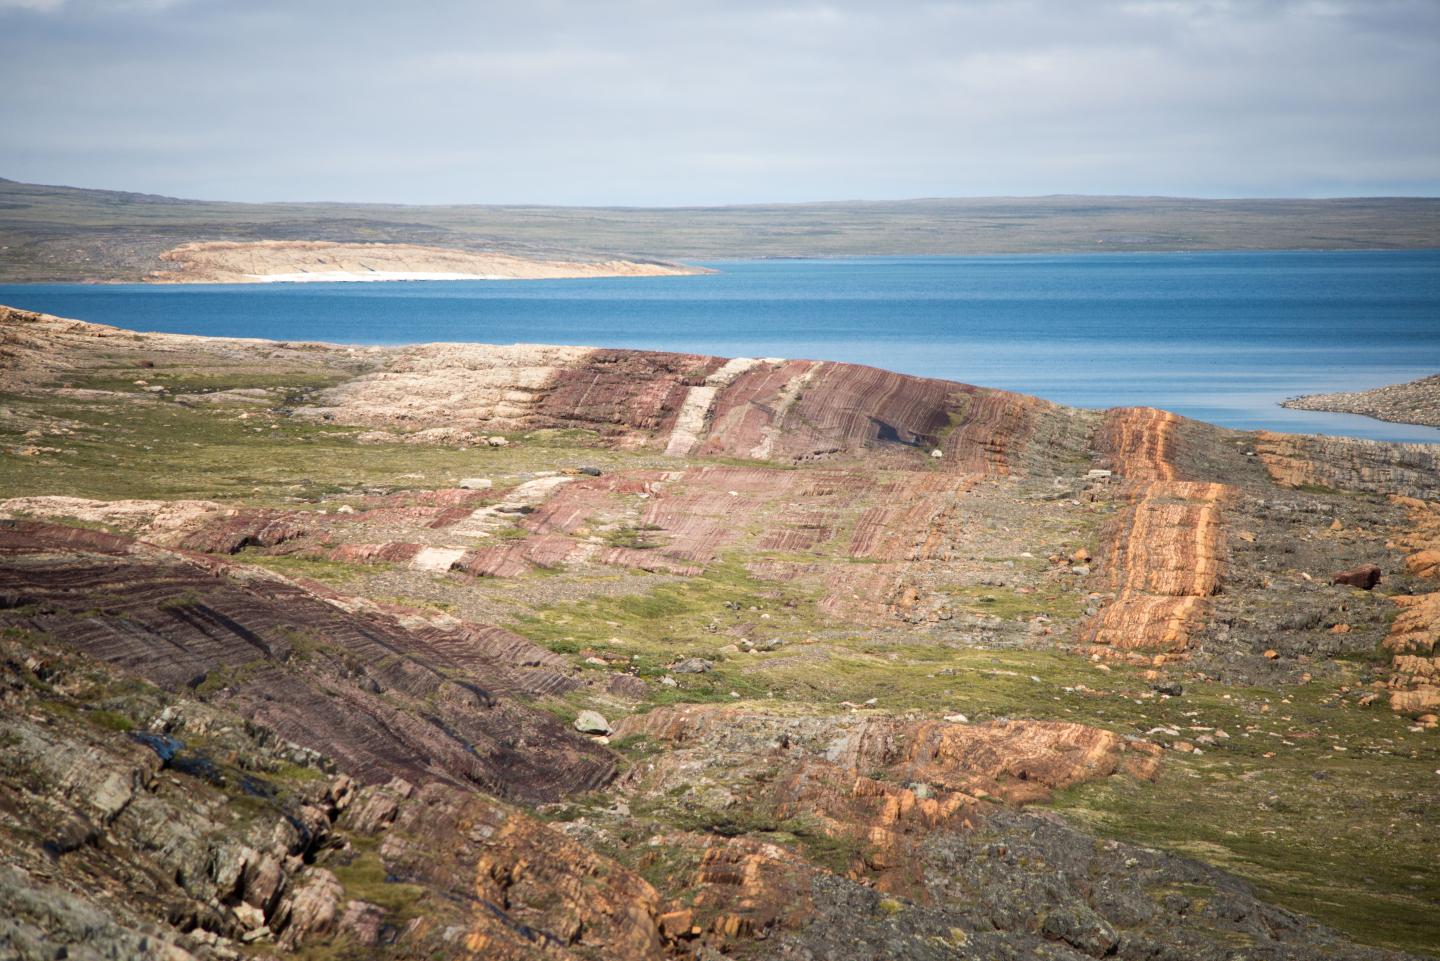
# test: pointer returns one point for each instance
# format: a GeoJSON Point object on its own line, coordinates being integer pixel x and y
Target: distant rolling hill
{"type": "Point", "coordinates": [52, 233]}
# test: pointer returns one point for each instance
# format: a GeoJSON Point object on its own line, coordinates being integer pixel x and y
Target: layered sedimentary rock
{"type": "Point", "coordinates": [1165, 551]}
{"type": "Point", "coordinates": [355, 684]}
{"type": "Point", "coordinates": [1353, 464]}
{"type": "Point", "coordinates": [776, 535]}
{"type": "Point", "coordinates": [886, 784]}
{"type": "Point", "coordinates": [790, 411]}
{"type": "Point", "coordinates": [229, 262]}
{"type": "Point", "coordinates": [533, 891]}
{"type": "Point", "coordinates": [1414, 638]}
{"type": "Point", "coordinates": [1139, 443]}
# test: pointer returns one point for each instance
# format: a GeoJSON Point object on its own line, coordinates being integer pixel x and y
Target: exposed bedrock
{"type": "Point", "coordinates": [1163, 552]}
{"type": "Point", "coordinates": [787, 588]}
{"type": "Point", "coordinates": [1025, 884]}
{"type": "Point", "coordinates": [1414, 638]}
{"type": "Point", "coordinates": [788, 411]}
{"type": "Point", "coordinates": [882, 785]}
{"type": "Point", "coordinates": [143, 855]}
{"type": "Point", "coordinates": [532, 892]}
{"type": "Point", "coordinates": [195, 835]}
{"type": "Point", "coordinates": [354, 683]}
{"type": "Point", "coordinates": [936, 861]}
{"type": "Point", "coordinates": [1351, 464]}
{"type": "Point", "coordinates": [37, 348]}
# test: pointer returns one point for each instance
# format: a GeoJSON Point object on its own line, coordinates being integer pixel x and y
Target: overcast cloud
{"type": "Point", "coordinates": [652, 102]}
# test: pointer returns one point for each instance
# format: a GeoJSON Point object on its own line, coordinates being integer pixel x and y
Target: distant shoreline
{"type": "Point", "coordinates": [1414, 402]}
{"type": "Point", "coordinates": [68, 234]}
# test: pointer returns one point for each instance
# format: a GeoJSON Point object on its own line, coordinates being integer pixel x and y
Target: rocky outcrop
{"type": "Point", "coordinates": [534, 892]}
{"type": "Point", "coordinates": [786, 411]}
{"type": "Point", "coordinates": [229, 262]}
{"type": "Point", "coordinates": [38, 348]}
{"type": "Point", "coordinates": [1351, 464]}
{"type": "Point", "coordinates": [1165, 551]}
{"type": "Point", "coordinates": [1415, 402]}
{"type": "Point", "coordinates": [1414, 638]}
{"type": "Point", "coordinates": [1138, 443]}
{"type": "Point", "coordinates": [355, 684]}
{"type": "Point", "coordinates": [128, 843]}
{"type": "Point", "coordinates": [119, 830]}
{"type": "Point", "coordinates": [884, 785]}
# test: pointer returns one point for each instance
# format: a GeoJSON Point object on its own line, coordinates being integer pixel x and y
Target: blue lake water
{"type": "Point", "coordinates": [1223, 337]}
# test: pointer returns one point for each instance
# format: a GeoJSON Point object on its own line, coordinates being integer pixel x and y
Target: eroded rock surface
{"type": "Point", "coordinates": [297, 640]}
{"type": "Point", "coordinates": [387, 700]}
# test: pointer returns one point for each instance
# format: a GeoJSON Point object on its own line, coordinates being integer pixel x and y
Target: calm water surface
{"type": "Point", "coordinates": [1221, 337]}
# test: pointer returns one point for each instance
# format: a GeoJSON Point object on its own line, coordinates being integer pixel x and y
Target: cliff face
{"type": "Point", "coordinates": [303, 647]}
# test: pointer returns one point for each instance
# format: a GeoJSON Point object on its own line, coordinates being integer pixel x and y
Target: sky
{"type": "Point", "coordinates": [699, 102]}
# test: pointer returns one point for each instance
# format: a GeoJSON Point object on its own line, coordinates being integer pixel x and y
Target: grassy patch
{"type": "Point", "coordinates": [366, 879]}
{"type": "Point", "coordinates": [325, 571]}
{"type": "Point", "coordinates": [1342, 835]}
{"type": "Point", "coordinates": [190, 380]}
{"type": "Point", "coordinates": [110, 721]}
{"type": "Point", "coordinates": [139, 447]}
{"type": "Point", "coordinates": [639, 537]}
{"type": "Point", "coordinates": [1010, 605]}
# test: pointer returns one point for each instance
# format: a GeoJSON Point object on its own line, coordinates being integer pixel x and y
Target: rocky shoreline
{"type": "Point", "coordinates": [1415, 402]}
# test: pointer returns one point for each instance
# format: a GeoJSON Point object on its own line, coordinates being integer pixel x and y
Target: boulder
{"type": "Point", "coordinates": [1365, 577]}
{"type": "Point", "coordinates": [314, 908]}
{"type": "Point", "coordinates": [475, 483]}
{"type": "Point", "coordinates": [693, 665]}
{"type": "Point", "coordinates": [592, 722]}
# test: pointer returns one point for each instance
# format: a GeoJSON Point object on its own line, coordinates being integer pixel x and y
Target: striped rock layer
{"type": "Point", "coordinates": [1414, 639]}
{"type": "Point", "coordinates": [345, 679]}
{"type": "Point", "coordinates": [780, 410]}
{"type": "Point", "coordinates": [1164, 553]}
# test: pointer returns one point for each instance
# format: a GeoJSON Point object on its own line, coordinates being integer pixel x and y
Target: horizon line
{"type": "Point", "coordinates": [743, 204]}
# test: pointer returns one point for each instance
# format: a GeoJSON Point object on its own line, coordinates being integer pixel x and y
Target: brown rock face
{"type": "Point", "coordinates": [1347, 463]}
{"type": "Point", "coordinates": [1138, 442]}
{"type": "Point", "coordinates": [1164, 559]}
{"type": "Point", "coordinates": [856, 551]}
{"type": "Point", "coordinates": [749, 889]}
{"type": "Point", "coordinates": [787, 411]}
{"type": "Point", "coordinates": [885, 784]}
{"type": "Point", "coordinates": [361, 688]}
{"type": "Point", "coordinates": [535, 892]}
{"type": "Point", "coordinates": [1414, 638]}
{"type": "Point", "coordinates": [1164, 553]}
